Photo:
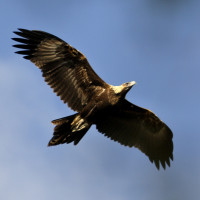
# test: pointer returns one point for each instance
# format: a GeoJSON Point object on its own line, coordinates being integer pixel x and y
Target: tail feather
{"type": "Point", "coordinates": [64, 119]}
{"type": "Point", "coordinates": [63, 131]}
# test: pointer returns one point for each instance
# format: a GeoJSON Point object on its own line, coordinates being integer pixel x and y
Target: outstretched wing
{"type": "Point", "coordinates": [131, 125]}
{"type": "Point", "coordinates": [64, 68]}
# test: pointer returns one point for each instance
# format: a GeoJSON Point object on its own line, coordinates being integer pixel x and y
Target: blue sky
{"type": "Point", "coordinates": [153, 42]}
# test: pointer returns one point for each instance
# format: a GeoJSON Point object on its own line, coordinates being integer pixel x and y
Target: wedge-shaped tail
{"type": "Point", "coordinates": [63, 131]}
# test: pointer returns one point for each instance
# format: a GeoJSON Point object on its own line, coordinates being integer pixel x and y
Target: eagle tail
{"type": "Point", "coordinates": [64, 133]}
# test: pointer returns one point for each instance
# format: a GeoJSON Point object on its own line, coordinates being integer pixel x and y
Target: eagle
{"type": "Point", "coordinates": [67, 71]}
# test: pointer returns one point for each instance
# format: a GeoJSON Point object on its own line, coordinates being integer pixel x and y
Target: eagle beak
{"type": "Point", "coordinates": [132, 83]}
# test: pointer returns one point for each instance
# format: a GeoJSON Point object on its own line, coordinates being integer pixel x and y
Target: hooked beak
{"type": "Point", "coordinates": [132, 83]}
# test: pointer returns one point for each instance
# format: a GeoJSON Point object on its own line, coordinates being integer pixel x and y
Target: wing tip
{"type": "Point", "coordinates": [22, 29]}
{"type": "Point", "coordinates": [164, 162]}
{"type": "Point", "coordinates": [19, 32]}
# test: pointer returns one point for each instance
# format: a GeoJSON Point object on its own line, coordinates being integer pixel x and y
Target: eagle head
{"type": "Point", "coordinates": [123, 89]}
{"type": "Point", "coordinates": [127, 86]}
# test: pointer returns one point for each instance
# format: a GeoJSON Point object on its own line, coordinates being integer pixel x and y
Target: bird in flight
{"type": "Point", "coordinates": [69, 74]}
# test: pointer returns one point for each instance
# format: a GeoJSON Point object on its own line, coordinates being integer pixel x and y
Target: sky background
{"type": "Point", "coordinates": [153, 42]}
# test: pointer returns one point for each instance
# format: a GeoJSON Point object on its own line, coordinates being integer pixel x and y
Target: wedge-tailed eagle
{"type": "Point", "coordinates": [71, 77]}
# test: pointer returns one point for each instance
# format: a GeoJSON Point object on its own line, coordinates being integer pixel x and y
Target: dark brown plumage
{"type": "Point", "coordinates": [71, 77]}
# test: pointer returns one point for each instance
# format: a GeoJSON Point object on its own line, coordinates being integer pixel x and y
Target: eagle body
{"type": "Point", "coordinates": [69, 74]}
